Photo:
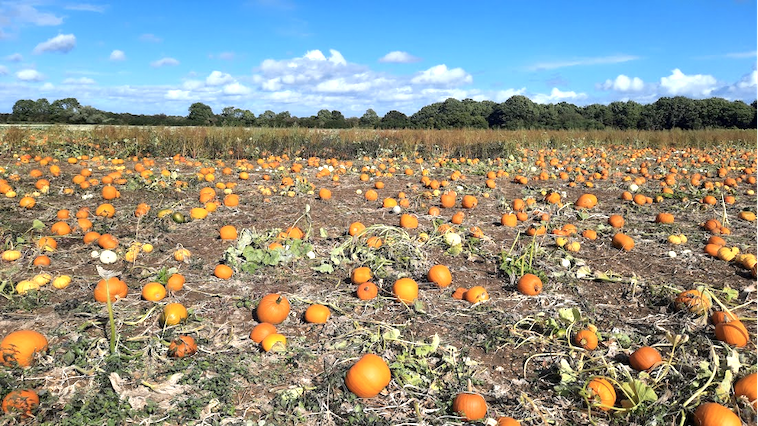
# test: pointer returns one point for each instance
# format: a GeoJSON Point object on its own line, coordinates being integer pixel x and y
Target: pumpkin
{"type": "Point", "coordinates": [23, 401]}
{"type": "Point", "coordinates": [471, 406]}
{"type": "Point", "coordinates": [733, 333]}
{"type": "Point", "coordinates": [477, 294]}
{"type": "Point", "coordinates": [713, 414]}
{"type": "Point", "coordinates": [173, 314]}
{"type": "Point", "coordinates": [665, 218]}
{"type": "Point", "coordinates": [693, 301]}
{"type": "Point", "coordinates": [601, 393]}
{"type": "Point", "coordinates": [62, 282]}
{"type": "Point", "coordinates": [228, 232]}
{"type": "Point", "coordinates": [616, 221]}
{"type": "Point", "coordinates": [623, 242]}
{"type": "Point", "coordinates": [587, 339]}
{"type": "Point", "coordinates": [324, 194]}
{"type": "Point", "coordinates": [722, 316]}
{"type": "Point", "coordinates": [153, 291]}
{"type": "Point", "coordinates": [107, 241]}
{"type": "Point", "coordinates": [406, 290]}
{"type": "Point", "coordinates": [586, 201]}
{"type": "Point", "coordinates": [317, 314]}
{"type": "Point", "coordinates": [113, 285]}
{"type": "Point", "coordinates": [360, 275]}
{"type": "Point", "coordinates": [645, 358]}
{"type": "Point", "coordinates": [175, 282]}
{"type": "Point", "coordinates": [507, 421]}
{"type": "Point", "coordinates": [355, 228]}
{"type": "Point", "coordinates": [182, 255]}
{"type": "Point", "coordinates": [367, 377]}
{"type": "Point", "coordinates": [47, 243]}
{"type": "Point", "coordinates": [260, 331]}
{"type": "Point", "coordinates": [105, 210]}
{"type": "Point", "coordinates": [182, 346]}
{"type": "Point", "coordinates": [274, 342]}
{"type": "Point", "coordinates": [11, 255]}
{"type": "Point", "coordinates": [440, 275]}
{"type": "Point", "coordinates": [408, 221]}
{"type": "Point", "coordinates": [273, 308]}
{"type": "Point", "coordinates": [447, 200]}
{"type": "Point", "coordinates": [367, 291]}
{"type": "Point", "coordinates": [469, 202]}
{"type": "Point", "coordinates": [747, 387]}
{"type": "Point", "coordinates": [374, 242]}
{"type": "Point", "coordinates": [223, 272]}
{"type": "Point", "coordinates": [19, 347]}
{"type": "Point", "coordinates": [529, 284]}
{"type": "Point", "coordinates": [509, 220]}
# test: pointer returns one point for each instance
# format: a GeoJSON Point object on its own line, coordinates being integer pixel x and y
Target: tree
{"type": "Point", "coordinates": [64, 110]}
{"type": "Point", "coordinates": [394, 120]}
{"type": "Point", "coordinates": [518, 112]}
{"type": "Point", "coordinates": [201, 114]}
{"type": "Point", "coordinates": [23, 110]}
{"type": "Point", "coordinates": [267, 118]}
{"type": "Point", "coordinates": [369, 119]}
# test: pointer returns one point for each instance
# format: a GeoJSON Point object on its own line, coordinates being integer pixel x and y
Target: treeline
{"type": "Point", "coordinates": [516, 113]}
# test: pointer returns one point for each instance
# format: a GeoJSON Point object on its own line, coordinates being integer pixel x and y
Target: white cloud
{"type": "Point", "coordinates": [86, 7]}
{"type": "Point", "coordinates": [150, 38]}
{"type": "Point", "coordinates": [336, 57]}
{"type": "Point", "coordinates": [504, 95]}
{"type": "Point", "coordinates": [744, 89]}
{"type": "Point", "coordinates": [19, 13]}
{"type": "Point", "coordinates": [236, 89]}
{"type": "Point", "coordinates": [341, 85]}
{"type": "Point", "coordinates": [399, 57]}
{"type": "Point", "coordinates": [741, 55]}
{"type": "Point", "coordinates": [680, 84]}
{"type": "Point", "coordinates": [176, 94]}
{"type": "Point", "coordinates": [192, 85]}
{"type": "Point", "coordinates": [164, 62]}
{"type": "Point", "coordinates": [623, 83]}
{"type": "Point", "coordinates": [558, 96]}
{"type": "Point", "coordinates": [63, 43]}
{"type": "Point", "coordinates": [440, 75]}
{"type": "Point", "coordinates": [218, 78]}
{"type": "Point", "coordinates": [3, 70]}
{"type": "Point", "coordinates": [117, 55]}
{"type": "Point", "coordinates": [614, 59]}
{"type": "Point", "coordinates": [79, 81]}
{"type": "Point", "coordinates": [47, 87]}
{"type": "Point", "coordinates": [29, 75]}
{"type": "Point", "coordinates": [15, 57]}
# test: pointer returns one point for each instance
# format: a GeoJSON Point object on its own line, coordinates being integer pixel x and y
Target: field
{"type": "Point", "coordinates": [165, 194]}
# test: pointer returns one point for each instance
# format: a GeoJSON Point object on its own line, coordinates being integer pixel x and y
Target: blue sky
{"type": "Point", "coordinates": [301, 56]}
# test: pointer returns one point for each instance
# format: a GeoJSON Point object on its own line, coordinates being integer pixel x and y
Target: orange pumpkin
{"type": "Point", "coordinates": [406, 290]}
{"type": "Point", "coordinates": [356, 228]}
{"type": "Point", "coordinates": [733, 333]}
{"type": "Point", "coordinates": [440, 275]}
{"type": "Point", "coordinates": [228, 232]}
{"type": "Point", "coordinates": [470, 406]}
{"type": "Point", "coordinates": [317, 314]}
{"type": "Point", "coordinates": [601, 393]}
{"type": "Point", "coordinates": [173, 314]}
{"type": "Point", "coordinates": [693, 301]}
{"type": "Point", "coordinates": [623, 242]}
{"type": "Point", "coordinates": [587, 339]}
{"type": "Point", "coordinates": [273, 308]}
{"type": "Point", "coordinates": [477, 294]}
{"type": "Point", "coordinates": [529, 284]}
{"type": "Point", "coordinates": [153, 291]}
{"type": "Point", "coordinates": [182, 346]}
{"type": "Point", "coordinates": [747, 387]}
{"type": "Point", "coordinates": [713, 414]}
{"type": "Point", "coordinates": [586, 201]}
{"type": "Point", "coordinates": [260, 331]}
{"type": "Point", "coordinates": [19, 347]}
{"type": "Point", "coordinates": [408, 221]}
{"type": "Point", "coordinates": [223, 271]}
{"type": "Point", "coordinates": [367, 291]}
{"type": "Point", "coordinates": [369, 376]}
{"type": "Point", "coordinates": [117, 289]}
{"type": "Point", "coordinates": [23, 401]}
{"type": "Point", "coordinates": [645, 358]}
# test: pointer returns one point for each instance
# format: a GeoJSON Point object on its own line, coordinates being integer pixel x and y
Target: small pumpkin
{"type": "Point", "coordinates": [713, 414]}
{"type": "Point", "coordinates": [360, 275]}
{"type": "Point", "coordinates": [223, 272]}
{"type": "Point", "coordinates": [601, 393]}
{"type": "Point", "coordinates": [367, 291]}
{"type": "Point", "coordinates": [228, 232]}
{"type": "Point", "coordinates": [507, 421]}
{"type": "Point", "coordinates": [733, 333]}
{"type": "Point", "coordinates": [260, 331]}
{"type": "Point", "coordinates": [274, 342]}
{"type": "Point", "coordinates": [586, 201]}
{"type": "Point", "coordinates": [317, 314]}
{"type": "Point", "coordinates": [622, 241]}
{"type": "Point", "coordinates": [113, 286]}
{"type": "Point", "coordinates": [20, 346]}
{"type": "Point", "coordinates": [23, 401]}
{"type": "Point", "coordinates": [587, 339]}
{"type": "Point", "coordinates": [408, 221]}
{"type": "Point", "coordinates": [477, 294]}
{"type": "Point", "coordinates": [406, 290]}
{"type": "Point", "coordinates": [616, 221]}
{"type": "Point", "coordinates": [153, 291]}
{"type": "Point", "coordinates": [11, 255]}
{"type": "Point", "coordinates": [471, 406]}
{"type": "Point", "coordinates": [273, 308]}
{"type": "Point", "coordinates": [369, 376]}
{"type": "Point", "coordinates": [182, 346]}
{"type": "Point", "coordinates": [173, 314]}
{"type": "Point", "coordinates": [440, 275]}
{"type": "Point", "coordinates": [175, 282]}
{"type": "Point", "coordinates": [747, 387]}
{"type": "Point", "coordinates": [529, 284]}
{"type": "Point", "coordinates": [693, 301]}
{"type": "Point", "coordinates": [645, 358]}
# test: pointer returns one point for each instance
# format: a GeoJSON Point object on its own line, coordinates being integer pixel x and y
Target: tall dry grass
{"type": "Point", "coordinates": [238, 142]}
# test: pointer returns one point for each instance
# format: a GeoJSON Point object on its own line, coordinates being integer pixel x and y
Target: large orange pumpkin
{"type": "Point", "coordinates": [601, 393]}
{"type": "Point", "coordinates": [19, 347]}
{"type": "Point", "coordinates": [117, 289]}
{"type": "Point", "coordinates": [713, 414]}
{"type": "Point", "coordinates": [273, 308]}
{"type": "Point", "coordinates": [440, 275]}
{"type": "Point", "coordinates": [369, 376]}
{"type": "Point", "coordinates": [471, 406]}
{"type": "Point", "coordinates": [24, 401]}
{"type": "Point", "coordinates": [406, 290]}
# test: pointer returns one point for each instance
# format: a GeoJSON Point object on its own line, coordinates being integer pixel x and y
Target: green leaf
{"type": "Point", "coordinates": [424, 350]}
{"type": "Point", "coordinates": [730, 293]}
{"type": "Point", "coordinates": [322, 232]}
{"type": "Point", "coordinates": [568, 375]}
{"type": "Point", "coordinates": [639, 392]}
{"type": "Point", "coordinates": [724, 389]}
{"type": "Point", "coordinates": [37, 224]}
{"type": "Point", "coordinates": [391, 334]}
{"type": "Point", "coordinates": [324, 268]}
{"type": "Point", "coordinates": [733, 361]}
{"type": "Point", "coordinates": [570, 315]}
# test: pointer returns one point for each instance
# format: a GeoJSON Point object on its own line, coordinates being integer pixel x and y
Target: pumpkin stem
{"type": "Point", "coordinates": [469, 386]}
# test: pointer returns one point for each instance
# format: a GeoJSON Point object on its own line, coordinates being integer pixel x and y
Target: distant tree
{"type": "Point", "coordinates": [369, 119]}
{"type": "Point", "coordinates": [201, 114]}
{"type": "Point", "coordinates": [65, 110]}
{"type": "Point", "coordinates": [518, 112]}
{"type": "Point", "coordinates": [394, 120]}
{"type": "Point", "coordinates": [283, 119]}
{"type": "Point", "coordinates": [267, 118]}
{"type": "Point", "coordinates": [23, 110]}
